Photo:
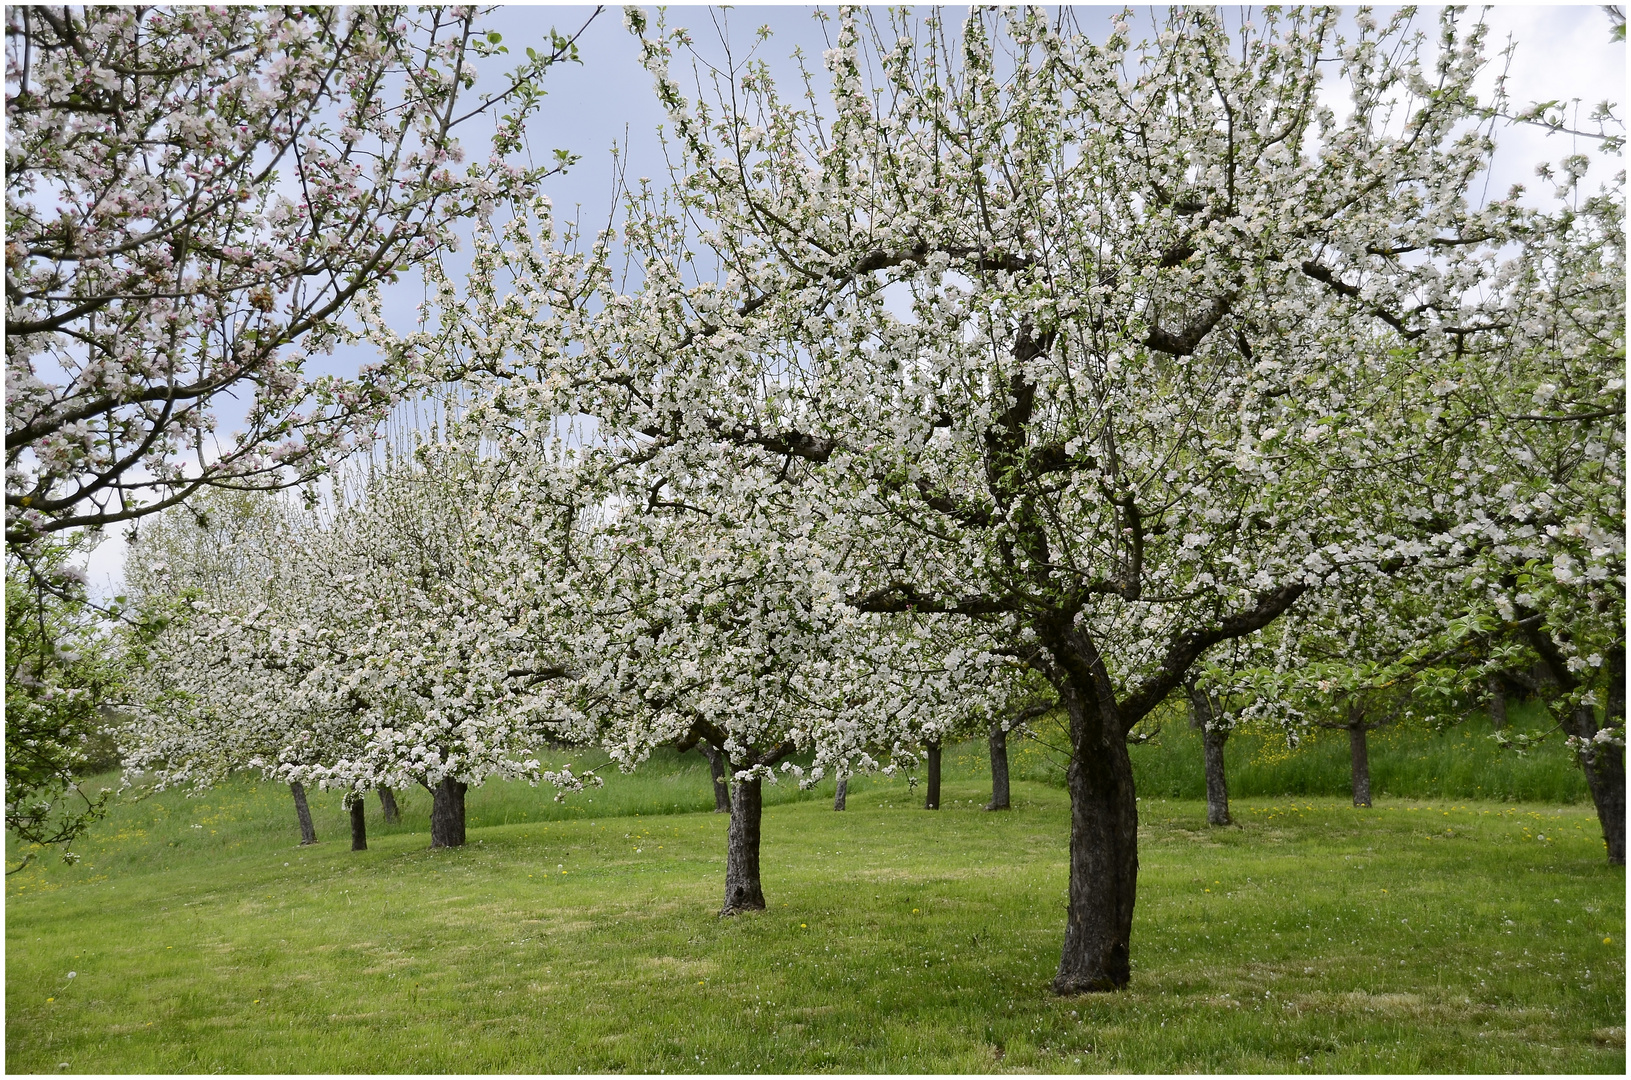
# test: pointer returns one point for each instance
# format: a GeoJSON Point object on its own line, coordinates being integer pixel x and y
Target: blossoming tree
{"type": "Point", "coordinates": [711, 617]}
{"type": "Point", "coordinates": [1542, 492]}
{"type": "Point", "coordinates": [196, 201]}
{"type": "Point", "coordinates": [1097, 346]}
{"type": "Point", "coordinates": [220, 681]}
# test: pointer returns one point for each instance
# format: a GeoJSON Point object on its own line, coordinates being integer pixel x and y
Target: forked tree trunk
{"type": "Point", "coordinates": [1359, 758]}
{"type": "Point", "coordinates": [933, 800]}
{"type": "Point", "coordinates": [387, 803]}
{"type": "Point", "coordinates": [447, 813]}
{"type": "Point", "coordinates": [716, 769]}
{"type": "Point", "coordinates": [359, 827]}
{"type": "Point", "coordinates": [1103, 850]}
{"type": "Point", "coordinates": [308, 833]}
{"type": "Point", "coordinates": [842, 795]}
{"type": "Point", "coordinates": [999, 768]}
{"type": "Point", "coordinates": [1496, 687]}
{"type": "Point", "coordinates": [742, 889]}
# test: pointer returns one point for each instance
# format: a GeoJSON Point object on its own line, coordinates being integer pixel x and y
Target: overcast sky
{"type": "Point", "coordinates": [1563, 53]}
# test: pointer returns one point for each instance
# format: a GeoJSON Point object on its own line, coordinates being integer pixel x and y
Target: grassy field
{"type": "Point", "coordinates": [1423, 935]}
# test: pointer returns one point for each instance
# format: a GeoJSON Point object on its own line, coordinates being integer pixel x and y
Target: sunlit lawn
{"type": "Point", "coordinates": [1439, 936]}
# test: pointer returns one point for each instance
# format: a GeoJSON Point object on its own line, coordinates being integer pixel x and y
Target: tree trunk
{"type": "Point", "coordinates": [1217, 782]}
{"type": "Point", "coordinates": [1203, 715]}
{"type": "Point", "coordinates": [999, 768]}
{"type": "Point", "coordinates": [359, 827]}
{"type": "Point", "coordinates": [839, 799]}
{"type": "Point", "coordinates": [933, 800]}
{"type": "Point", "coordinates": [308, 834]}
{"type": "Point", "coordinates": [447, 813]}
{"type": "Point", "coordinates": [1359, 754]}
{"type": "Point", "coordinates": [1103, 847]}
{"type": "Point", "coordinates": [1604, 767]}
{"type": "Point", "coordinates": [716, 769]}
{"type": "Point", "coordinates": [1497, 702]}
{"type": "Point", "coordinates": [1604, 764]}
{"type": "Point", "coordinates": [387, 803]}
{"type": "Point", "coordinates": [742, 889]}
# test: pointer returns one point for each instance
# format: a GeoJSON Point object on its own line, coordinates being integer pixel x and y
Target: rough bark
{"type": "Point", "coordinates": [308, 833]}
{"type": "Point", "coordinates": [447, 813]}
{"type": "Point", "coordinates": [998, 743]}
{"type": "Point", "coordinates": [1217, 782]}
{"type": "Point", "coordinates": [716, 769]}
{"type": "Point", "coordinates": [932, 801]}
{"type": "Point", "coordinates": [1497, 702]}
{"type": "Point", "coordinates": [359, 826]}
{"type": "Point", "coordinates": [742, 889]}
{"type": "Point", "coordinates": [1359, 756]}
{"type": "Point", "coordinates": [1204, 715]}
{"type": "Point", "coordinates": [1103, 849]}
{"type": "Point", "coordinates": [842, 795]}
{"type": "Point", "coordinates": [1604, 765]}
{"type": "Point", "coordinates": [387, 803]}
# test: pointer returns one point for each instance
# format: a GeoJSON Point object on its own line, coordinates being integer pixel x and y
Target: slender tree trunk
{"type": "Point", "coordinates": [387, 803]}
{"type": "Point", "coordinates": [308, 833]}
{"type": "Point", "coordinates": [1203, 715]}
{"type": "Point", "coordinates": [716, 769]}
{"type": "Point", "coordinates": [1103, 845]}
{"type": "Point", "coordinates": [447, 813]}
{"type": "Point", "coordinates": [933, 800]}
{"type": "Point", "coordinates": [742, 889]}
{"type": "Point", "coordinates": [1359, 755]}
{"type": "Point", "coordinates": [1217, 782]}
{"type": "Point", "coordinates": [999, 768]}
{"type": "Point", "coordinates": [1496, 687]}
{"type": "Point", "coordinates": [842, 797]}
{"type": "Point", "coordinates": [359, 827]}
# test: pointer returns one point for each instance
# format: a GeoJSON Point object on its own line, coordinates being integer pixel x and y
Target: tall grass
{"type": "Point", "coordinates": [1406, 762]}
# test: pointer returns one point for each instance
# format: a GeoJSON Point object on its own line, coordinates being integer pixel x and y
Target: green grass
{"type": "Point", "coordinates": [1442, 936]}
{"type": "Point", "coordinates": [1462, 762]}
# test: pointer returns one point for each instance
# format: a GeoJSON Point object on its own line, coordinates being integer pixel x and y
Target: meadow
{"type": "Point", "coordinates": [1440, 935]}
